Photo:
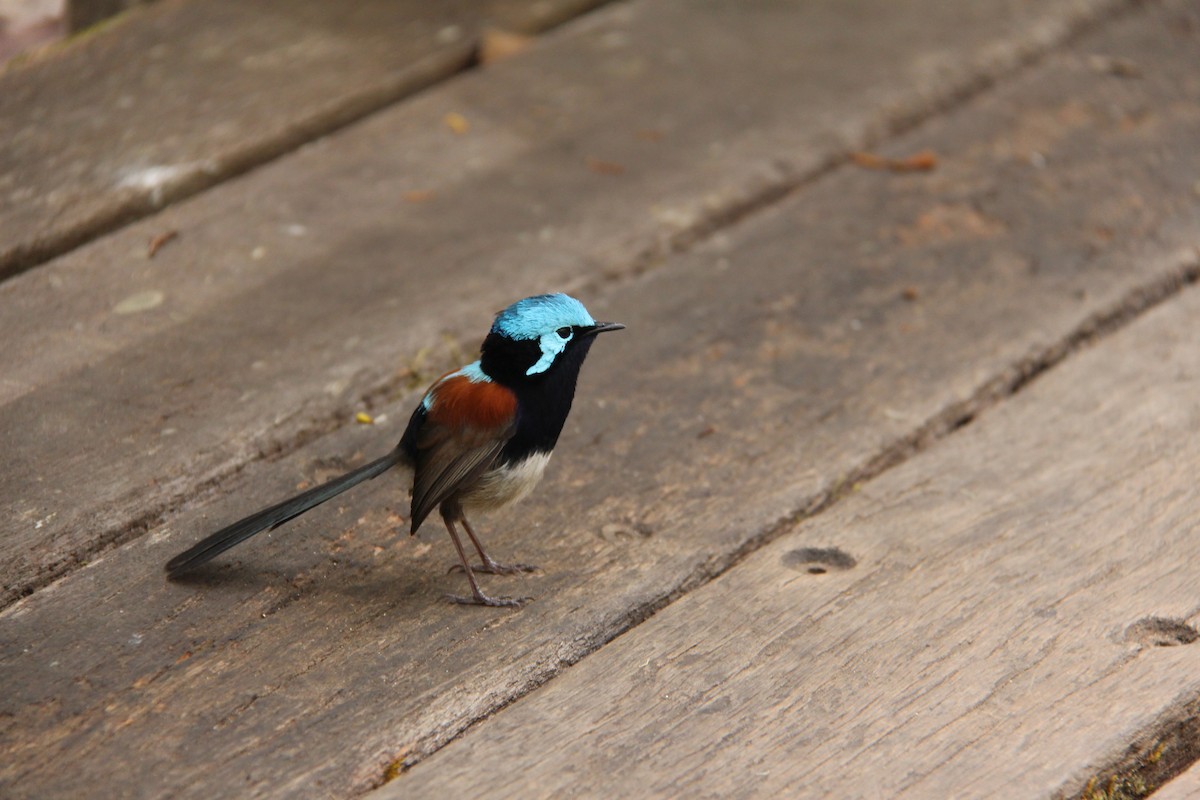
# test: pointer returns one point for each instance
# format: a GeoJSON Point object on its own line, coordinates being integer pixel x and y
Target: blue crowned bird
{"type": "Point", "coordinates": [478, 440]}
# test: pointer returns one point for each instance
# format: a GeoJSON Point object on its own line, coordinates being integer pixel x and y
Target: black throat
{"type": "Point", "coordinates": [543, 399]}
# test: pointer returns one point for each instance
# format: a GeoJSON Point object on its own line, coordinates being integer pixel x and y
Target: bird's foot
{"type": "Point", "coordinates": [496, 568]}
{"type": "Point", "coordinates": [481, 599]}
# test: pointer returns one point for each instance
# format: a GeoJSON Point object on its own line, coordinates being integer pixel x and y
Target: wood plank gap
{"type": "Point", "coordinates": [790, 180]}
{"type": "Point", "coordinates": [423, 74]}
{"type": "Point", "coordinates": [387, 665]}
{"type": "Point", "coordinates": [430, 72]}
{"type": "Point", "coordinates": [1163, 751]}
{"type": "Point", "coordinates": [785, 184]}
{"type": "Point", "coordinates": [1180, 733]}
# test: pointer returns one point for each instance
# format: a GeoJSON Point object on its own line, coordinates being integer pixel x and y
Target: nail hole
{"type": "Point", "coordinates": [818, 560]}
{"type": "Point", "coordinates": [1161, 632]}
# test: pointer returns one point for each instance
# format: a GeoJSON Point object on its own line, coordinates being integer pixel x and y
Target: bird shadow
{"type": "Point", "coordinates": [395, 583]}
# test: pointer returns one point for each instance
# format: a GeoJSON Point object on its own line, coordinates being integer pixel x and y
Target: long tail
{"type": "Point", "coordinates": [276, 515]}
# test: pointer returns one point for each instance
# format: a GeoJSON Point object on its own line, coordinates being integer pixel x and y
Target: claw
{"type": "Point", "coordinates": [496, 568]}
{"type": "Point", "coordinates": [481, 599]}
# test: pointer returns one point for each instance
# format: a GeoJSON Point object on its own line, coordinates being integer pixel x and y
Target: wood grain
{"type": "Point", "coordinates": [762, 372]}
{"type": "Point", "coordinates": [1183, 787]}
{"type": "Point", "coordinates": [176, 96]}
{"type": "Point", "coordinates": [1002, 616]}
{"type": "Point", "coordinates": [303, 292]}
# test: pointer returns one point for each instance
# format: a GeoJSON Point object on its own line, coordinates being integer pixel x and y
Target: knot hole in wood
{"type": "Point", "coordinates": [818, 560]}
{"type": "Point", "coordinates": [1161, 632]}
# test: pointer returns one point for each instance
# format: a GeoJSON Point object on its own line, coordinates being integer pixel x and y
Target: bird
{"type": "Point", "coordinates": [479, 439]}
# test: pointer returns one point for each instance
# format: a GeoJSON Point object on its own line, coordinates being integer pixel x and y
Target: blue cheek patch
{"type": "Point", "coordinates": [551, 346]}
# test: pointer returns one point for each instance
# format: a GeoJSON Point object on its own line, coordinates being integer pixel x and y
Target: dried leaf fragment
{"type": "Point", "coordinates": [601, 167]}
{"type": "Point", "coordinates": [497, 45]}
{"type": "Point", "coordinates": [142, 301]}
{"type": "Point", "coordinates": [157, 242]}
{"type": "Point", "coordinates": [923, 161]}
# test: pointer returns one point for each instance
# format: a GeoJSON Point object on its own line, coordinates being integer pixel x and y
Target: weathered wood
{"type": "Point", "coordinates": [759, 373]}
{"type": "Point", "coordinates": [169, 99]}
{"type": "Point", "coordinates": [293, 296]}
{"type": "Point", "coordinates": [85, 13]}
{"type": "Point", "coordinates": [981, 632]}
{"type": "Point", "coordinates": [27, 25]}
{"type": "Point", "coordinates": [1184, 787]}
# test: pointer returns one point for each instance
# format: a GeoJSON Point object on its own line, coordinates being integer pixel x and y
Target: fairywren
{"type": "Point", "coordinates": [479, 439]}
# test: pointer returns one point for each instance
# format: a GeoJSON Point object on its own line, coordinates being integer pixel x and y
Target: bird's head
{"type": "Point", "coordinates": [538, 337]}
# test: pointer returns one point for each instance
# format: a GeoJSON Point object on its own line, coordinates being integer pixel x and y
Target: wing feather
{"type": "Point", "coordinates": [458, 441]}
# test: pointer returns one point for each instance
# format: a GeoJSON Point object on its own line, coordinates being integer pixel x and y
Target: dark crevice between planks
{"type": "Point", "coordinates": [1165, 750]}
{"type": "Point", "coordinates": [787, 180]}
{"type": "Point", "coordinates": [430, 71]}
{"type": "Point", "coordinates": [1169, 748]}
{"type": "Point", "coordinates": [418, 77]}
{"type": "Point", "coordinates": [1177, 738]}
{"type": "Point", "coordinates": [308, 432]}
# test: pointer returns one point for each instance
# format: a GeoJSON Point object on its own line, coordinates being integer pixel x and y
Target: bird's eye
{"type": "Point", "coordinates": [564, 333]}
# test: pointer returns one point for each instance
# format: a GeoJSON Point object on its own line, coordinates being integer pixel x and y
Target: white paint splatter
{"type": "Point", "coordinates": [142, 301]}
{"type": "Point", "coordinates": [159, 177]}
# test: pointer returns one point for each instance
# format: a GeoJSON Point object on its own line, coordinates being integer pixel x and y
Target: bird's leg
{"type": "Point", "coordinates": [477, 596]}
{"type": "Point", "coordinates": [488, 565]}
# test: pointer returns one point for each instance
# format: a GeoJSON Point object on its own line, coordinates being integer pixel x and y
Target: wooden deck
{"type": "Point", "coordinates": [887, 490]}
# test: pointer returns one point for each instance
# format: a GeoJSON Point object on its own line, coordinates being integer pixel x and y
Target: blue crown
{"type": "Point", "coordinates": [534, 316]}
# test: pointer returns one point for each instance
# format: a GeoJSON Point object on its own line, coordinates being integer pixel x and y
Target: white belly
{"type": "Point", "coordinates": [507, 484]}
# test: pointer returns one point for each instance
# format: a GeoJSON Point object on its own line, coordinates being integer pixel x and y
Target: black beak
{"type": "Point", "coordinates": [601, 327]}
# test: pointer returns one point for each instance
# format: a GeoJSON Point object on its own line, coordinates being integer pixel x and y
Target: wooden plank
{"type": "Point", "coordinates": [85, 13]}
{"type": "Point", "coordinates": [28, 24]}
{"type": "Point", "coordinates": [320, 660]}
{"type": "Point", "coordinates": [181, 95]}
{"type": "Point", "coordinates": [978, 624]}
{"type": "Point", "coordinates": [1183, 787]}
{"type": "Point", "coordinates": [317, 285]}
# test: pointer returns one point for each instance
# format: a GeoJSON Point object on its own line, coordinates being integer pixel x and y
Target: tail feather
{"type": "Point", "coordinates": [271, 518]}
